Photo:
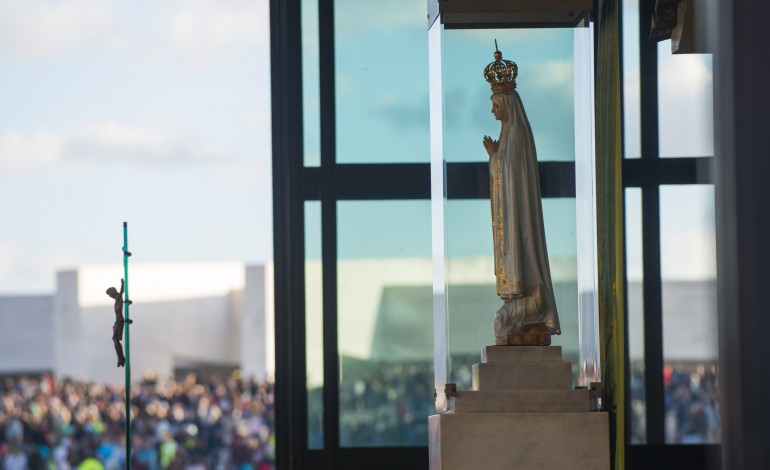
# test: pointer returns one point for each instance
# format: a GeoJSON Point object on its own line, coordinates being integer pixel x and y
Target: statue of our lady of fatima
{"type": "Point", "coordinates": [528, 315]}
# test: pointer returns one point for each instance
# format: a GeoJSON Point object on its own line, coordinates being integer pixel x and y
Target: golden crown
{"type": "Point", "coordinates": [501, 74]}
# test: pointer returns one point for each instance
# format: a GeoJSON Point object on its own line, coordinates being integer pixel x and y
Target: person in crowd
{"type": "Point", "coordinates": [189, 424]}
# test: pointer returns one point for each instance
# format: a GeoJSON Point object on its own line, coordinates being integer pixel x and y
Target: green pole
{"type": "Point", "coordinates": [127, 347]}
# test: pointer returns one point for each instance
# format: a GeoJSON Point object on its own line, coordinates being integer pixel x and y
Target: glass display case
{"type": "Point", "coordinates": [551, 44]}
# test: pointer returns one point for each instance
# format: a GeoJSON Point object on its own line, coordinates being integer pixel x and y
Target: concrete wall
{"type": "Point", "coordinates": [193, 331]}
{"type": "Point", "coordinates": [67, 329]}
{"type": "Point", "coordinates": [253, 326]}
{"type": "Point", "coordinates": [29, 348]}
{"type": "Point", "coordinates": [689, 321]}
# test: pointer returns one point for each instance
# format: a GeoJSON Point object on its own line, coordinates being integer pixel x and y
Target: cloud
{"type": "Point", "coordinates": [8, 256]}
{"type": "Point", "coordinates": [107, 143]}
{"type": "Point", "coordinates": [44, 27]}
{"type": "Point", "coordinates": [27, 270]}
{"type": "Point", "coordinates": [689, 255]}
{"type": "Point", "coordinates": [556, 74]}
{"type": "Point", "coordinates": [110, 141]}
{"type": "Point", "coordinates": [686, 104]}
{"type": "Point", "coordinates": [688, 73]}
{"type": "Point", "coordinates": [258, 117]}
{"type": "Point", "coordinates": [632, 112]}
{"type": "Point", "coordinates": [201, 31]}
{"type": "Point", "coordinates": [25, 152]}
{"type": "Point", "coordinates": [197, 32]}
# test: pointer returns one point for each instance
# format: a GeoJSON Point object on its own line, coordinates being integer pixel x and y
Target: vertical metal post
{"type": "Point", "coordinates": [742, 229]}
{"type": "Point", "coordinates": [288, 235]}
{"type": "Point", "coordinates": [329, 198]}
{"type": "Point", "coordinates": [652, 281]}
{"type": "Point", "coordinates": [127, 347]}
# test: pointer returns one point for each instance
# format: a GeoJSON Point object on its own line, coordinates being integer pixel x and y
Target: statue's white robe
{"type": "Point", "coordinates": [521, 257]}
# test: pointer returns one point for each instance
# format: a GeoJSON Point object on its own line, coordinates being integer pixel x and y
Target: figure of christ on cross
{"type": "Point", "coordinates": [117, 328]}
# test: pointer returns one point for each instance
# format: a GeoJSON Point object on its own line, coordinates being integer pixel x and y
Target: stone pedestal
{"type": "Point", "coordinates": [522, 413]}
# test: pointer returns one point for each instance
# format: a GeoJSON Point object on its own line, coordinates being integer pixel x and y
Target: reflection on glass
{"type": "Point", "coordinates": [635, 326]}
{"type": "Point", "coordinates": [311, 97]}
{"type": "Point", "coordinates": [385, 322]}
{"type": "Point", "coordinates": [314, 324]}
{"type": "Point", "coordinates": [692, 402]}
{"type": "Point", "coordinates": [545, 83]}
{"type": "Point", "coordinates": [438, 196]}
{"type": "Point", "coordinates": [381, 59]}
{"type": "Point", "coordinates": [688, 270]}
{"type": "Point", "coordinates": [472, 299]}
{"type": "Point", "coordinates": [685, 103]}
{"type": "Point", "coordinates": [631, 89]}
{"type": "Point", "coordinates": [585, 206]}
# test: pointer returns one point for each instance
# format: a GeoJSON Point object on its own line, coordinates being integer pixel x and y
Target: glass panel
{"type": "Point", "coordinates": [634, 280]}
{"type": "Point", "coordinates": [472, 299]}
{"type": "Point", "coordinates": [685, 103]}
{"type": "Point", "coordinates": [545, 83]}
{"type": "Point", "coordinates": [631, 85]}
{"type": "Point", "coordinates": [585, 206]}
{"type": "Point", "coordinates": [314, 325]}
{"type": "Point", "coordinates": [311, 95]}
{"type": "Point", "coordinates": [385, 322]}
{"type": "Point", "coordinates": [688, 270]}
{"type": "Point", "coordinates": [381, 57]}
{"type": "Point", "coordinates": [438, 199]}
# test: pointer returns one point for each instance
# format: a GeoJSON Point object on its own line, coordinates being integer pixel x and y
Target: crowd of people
{"type": "Point", "coordinates": [228, 424]}
{"type": "Point", "coordinates": [388, 405]}
{"type": "Point", "coordinates": [691, 398]}
{"type": "Point", "coordinates": [186, 424]}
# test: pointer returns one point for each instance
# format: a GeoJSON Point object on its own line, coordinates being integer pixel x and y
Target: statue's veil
{"type": "Point", "coordinates": [521, 257]}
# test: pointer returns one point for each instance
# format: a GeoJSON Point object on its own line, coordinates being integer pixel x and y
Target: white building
{"type": "Point", "coordinates": [198, 316]}
{"type": "Point", "coordinates": [186, 316]}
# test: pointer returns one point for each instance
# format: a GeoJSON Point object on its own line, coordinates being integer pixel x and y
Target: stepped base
{"type": "Point", "coordinates": [521, 354]}
{"type": "Point", "coordinates": [525, 441]}
{"type": "Point", "coordinates": [522, 401]}
{"type": "Point", "coordinates": [522, 376]}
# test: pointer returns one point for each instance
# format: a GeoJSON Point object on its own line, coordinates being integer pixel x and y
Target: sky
{"type": "Point", "coordinates": [151, 112]}
{"type": "Point", "coordinates": [158, 113]}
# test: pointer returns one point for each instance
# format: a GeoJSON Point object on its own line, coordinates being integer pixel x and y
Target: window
{"type": "Point", "coordinates": [670, 248]}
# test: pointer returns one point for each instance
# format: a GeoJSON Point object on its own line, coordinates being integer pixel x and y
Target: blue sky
{"type": "Point", "coordinates": [156, 113]}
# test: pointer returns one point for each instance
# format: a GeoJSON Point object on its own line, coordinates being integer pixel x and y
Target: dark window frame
{"type": "Point", "coordinates": [330, 182]}
{"type": "Point", "coordinates": [648, 173]}
{"type": "Point", "coordinates": [293, 184]}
